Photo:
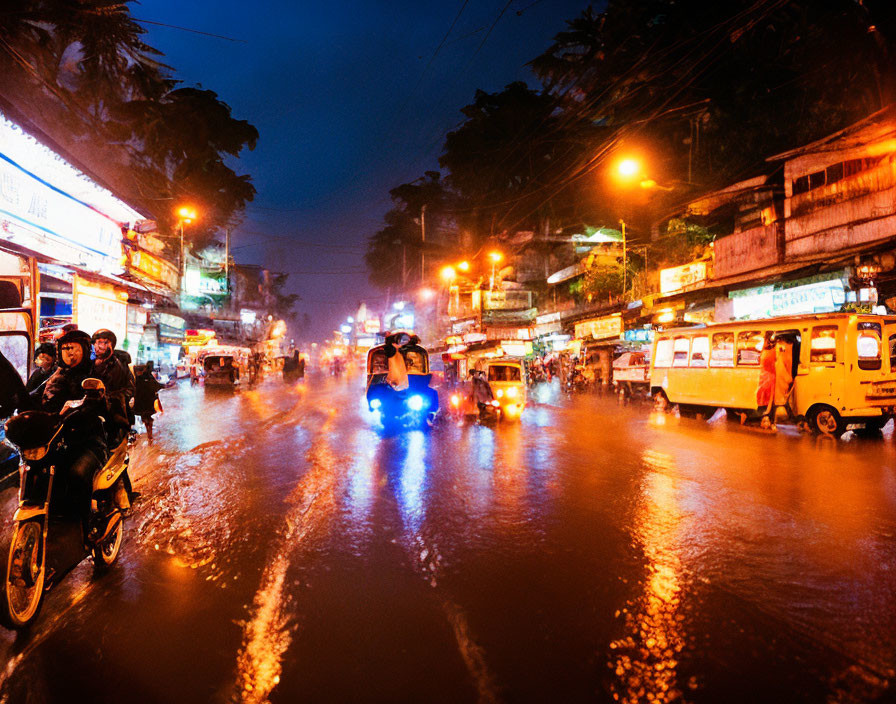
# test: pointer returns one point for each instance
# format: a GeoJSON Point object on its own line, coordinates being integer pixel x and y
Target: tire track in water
{"type": "Point", "coordinates": [426, 560]}
{"type": "Point", "coordinates": [271, 625]}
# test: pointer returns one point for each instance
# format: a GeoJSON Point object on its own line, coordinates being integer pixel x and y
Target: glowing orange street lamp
{"type": "Point", "coordinates": [185, 215]}
{"type": "Point", "coordinates": [448, 274]}
{"type": "Point", "coordinates": [464, 266]}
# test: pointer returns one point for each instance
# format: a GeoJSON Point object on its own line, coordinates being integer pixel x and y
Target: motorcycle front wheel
{"type": "Point", "coordinates": [24, 576]}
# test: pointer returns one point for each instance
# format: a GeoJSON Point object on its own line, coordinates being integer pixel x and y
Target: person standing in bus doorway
{"type": "Point", "coordinates": [783, 378]}
{"type": "Point", "coordinates": [765, 392]}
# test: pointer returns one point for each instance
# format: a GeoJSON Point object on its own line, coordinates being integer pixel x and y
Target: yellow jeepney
{"type": "Point", "coordinates": [844, 368]}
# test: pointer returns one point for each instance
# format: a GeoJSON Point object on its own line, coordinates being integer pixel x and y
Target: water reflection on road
{"type": "Point", "coordinates": [285, 548]}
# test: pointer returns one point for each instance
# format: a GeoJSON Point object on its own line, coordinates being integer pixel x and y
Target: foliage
{"type": "Point", "coordinates": [80, 71]}
{"type": "Point", "coordinates": [775, 74]}
{"type": "Point", "coordinates": [393, 252]}
{"type": "Point", "coordinates": [511, 162]}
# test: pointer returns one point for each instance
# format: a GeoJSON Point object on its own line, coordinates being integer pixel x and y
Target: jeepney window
{"type": "Point", "coordinates": [699, 351]}
{"type": "Point", "coordinates": [823, 348]}
{"type": "Point", "coordinates": [663, 352]}
{"type": "Point", "coordinates": [722, 350]}
{"type": "Point", "coordinates": [868, 344]}
{"type": "Point", "coordinates": [749, 345]}
{"type": "Point", "coordinates": [681, 347]}
{"type": "Point", "coordinates": [893, 353]}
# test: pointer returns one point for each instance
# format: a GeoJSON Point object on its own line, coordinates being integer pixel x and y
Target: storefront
{"type": "Point", "coordinates": [172, 334]}
{"type": "Point", "coordinates": [72, 225]}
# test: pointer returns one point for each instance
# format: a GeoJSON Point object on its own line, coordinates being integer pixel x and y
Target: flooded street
{"type": "Point", "coordinates": [285, 550]}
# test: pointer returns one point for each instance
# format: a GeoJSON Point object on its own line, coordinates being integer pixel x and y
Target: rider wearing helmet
{"type": "Point", "coordinates": [88, 448]}
{"type": "Point", "coordinates": [117, 379]}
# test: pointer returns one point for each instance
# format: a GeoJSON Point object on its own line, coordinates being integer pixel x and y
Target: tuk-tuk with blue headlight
{"type": "Point", "coordinates": [398, 378]}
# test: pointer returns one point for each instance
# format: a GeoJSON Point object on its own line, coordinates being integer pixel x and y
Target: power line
{"type": "Point", "coordinates": [192, 31]}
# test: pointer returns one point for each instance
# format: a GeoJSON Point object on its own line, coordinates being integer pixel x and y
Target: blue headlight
{"type": "Point", "coordinates": [375, 403]}
{"type": "Point", "coordinates": [416, 403]}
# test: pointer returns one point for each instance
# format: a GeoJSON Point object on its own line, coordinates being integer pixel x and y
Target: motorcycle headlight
{"type": "Point", "coordinates": [455, 400]}
{"type": "Point", "coordinates": [35, 453]}
{"type": "Point", "coordinates": [415, 403]}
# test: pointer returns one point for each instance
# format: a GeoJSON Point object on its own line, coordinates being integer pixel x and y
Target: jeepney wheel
{"type": "Point", "coordinates": [660, 401]}
{"type": "Point", "coordinates": [826, 421]}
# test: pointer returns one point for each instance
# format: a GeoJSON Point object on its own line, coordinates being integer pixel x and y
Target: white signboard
{"type": "Point", "coordinates": [55, 209]}
{"type": "Point", "coordinates": [98, 306]}
{"type": "Point", "coordinates": [600, 328]}
{"type": "Point", "coordinates": [682, 278]}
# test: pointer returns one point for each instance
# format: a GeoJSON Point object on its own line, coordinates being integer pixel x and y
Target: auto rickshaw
{"type": "Point", "coordinates": [221, 366]}
{"type": "Point", "coordinates": [508, 381]}
{"type": "Point", "coordinates": [398, 390]}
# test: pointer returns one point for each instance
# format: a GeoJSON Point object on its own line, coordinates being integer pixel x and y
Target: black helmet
{"type": "Point", "coordinates": [47, 348]}
{"type": "Point", "coordinates": [78, 336]}
{"type": "Point", "coordinates": [104, 334]}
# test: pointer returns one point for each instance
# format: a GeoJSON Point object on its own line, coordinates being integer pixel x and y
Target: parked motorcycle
{"type": "Point", "coordinates": [49, 537]}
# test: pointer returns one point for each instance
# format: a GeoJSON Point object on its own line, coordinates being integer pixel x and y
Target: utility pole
{"type": "Point", "coordinates": [183, 268]}
{"type": "Point", "coordinates": [227, 260]}
{"type": "Point", "coordinates": [624, 258]}
{"type": "Point", "coordinates": [422, 243]}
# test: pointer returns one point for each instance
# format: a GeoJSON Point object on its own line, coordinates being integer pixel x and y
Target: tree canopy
{"type": "Point", "coordinates": [80, 71]}
{"type": "Point", "coordinates": [703, 91]}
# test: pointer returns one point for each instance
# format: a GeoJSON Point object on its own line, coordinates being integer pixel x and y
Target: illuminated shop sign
{"type": "Point", "coordinates": [96, 306]}
{"type": "Point", "coordinates": [600, 328]}
{"type": "Point", "coordinates": [772, 301]}
{"type": "Point", "coordinates": [682, 278]}
{"type": "Point", "coordinates": [153, 267]}
{"type": "Point", "coordinates": [49, 206]}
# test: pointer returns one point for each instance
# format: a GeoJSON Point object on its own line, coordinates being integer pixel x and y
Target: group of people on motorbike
{"type": "Point", "coordinates": [55, 387]}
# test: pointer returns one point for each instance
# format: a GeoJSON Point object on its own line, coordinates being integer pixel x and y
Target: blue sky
{"type": "Point", "coordinates": [345, 111]}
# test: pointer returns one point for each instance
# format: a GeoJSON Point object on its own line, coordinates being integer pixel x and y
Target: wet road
{"type": "Point", "coordinates": [284, 551]}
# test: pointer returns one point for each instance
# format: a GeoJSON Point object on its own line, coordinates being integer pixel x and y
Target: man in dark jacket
{"type": "Point", "coordinates": [117, 379]}
{"type": "Point", "coordinates": [45, 365]}
{"type": "Point", "coordinates": [73, 367]}
{"type": "Point", "coordinates": [91, 451]}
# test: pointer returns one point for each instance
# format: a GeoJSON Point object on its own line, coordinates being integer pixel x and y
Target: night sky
{"type": "Point", "coordinates": [346, 109]}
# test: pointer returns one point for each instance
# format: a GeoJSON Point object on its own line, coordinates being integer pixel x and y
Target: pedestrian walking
{"type": "Point", "coordinates": [146, 399]}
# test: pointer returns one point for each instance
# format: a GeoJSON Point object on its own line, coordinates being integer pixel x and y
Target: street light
{"type": "Point", "coordinates": [495, 257]}
{"type": "Point", "coordinates": [185, 216]}
{"type": "Point", "coordinates": [448, 274]}
{"type": "Point", "coordinates": [464, 266]}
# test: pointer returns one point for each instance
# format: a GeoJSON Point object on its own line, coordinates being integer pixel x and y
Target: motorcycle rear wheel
{"type": "Point", "coordinates": [105, 553]}
{"type": "Point", "coordinates": [24, 576]}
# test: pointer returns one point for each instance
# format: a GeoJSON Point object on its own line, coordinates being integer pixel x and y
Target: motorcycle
{"type": "Point", "coordinates": [576, 382]}
{"type": "Point", "coordinates": [48, 537]}
{"type": "Point", "coordinates": [462, 407]}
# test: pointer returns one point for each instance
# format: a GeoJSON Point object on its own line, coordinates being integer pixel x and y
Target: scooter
{"type": "Point", "coordinates": [48, 537]}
